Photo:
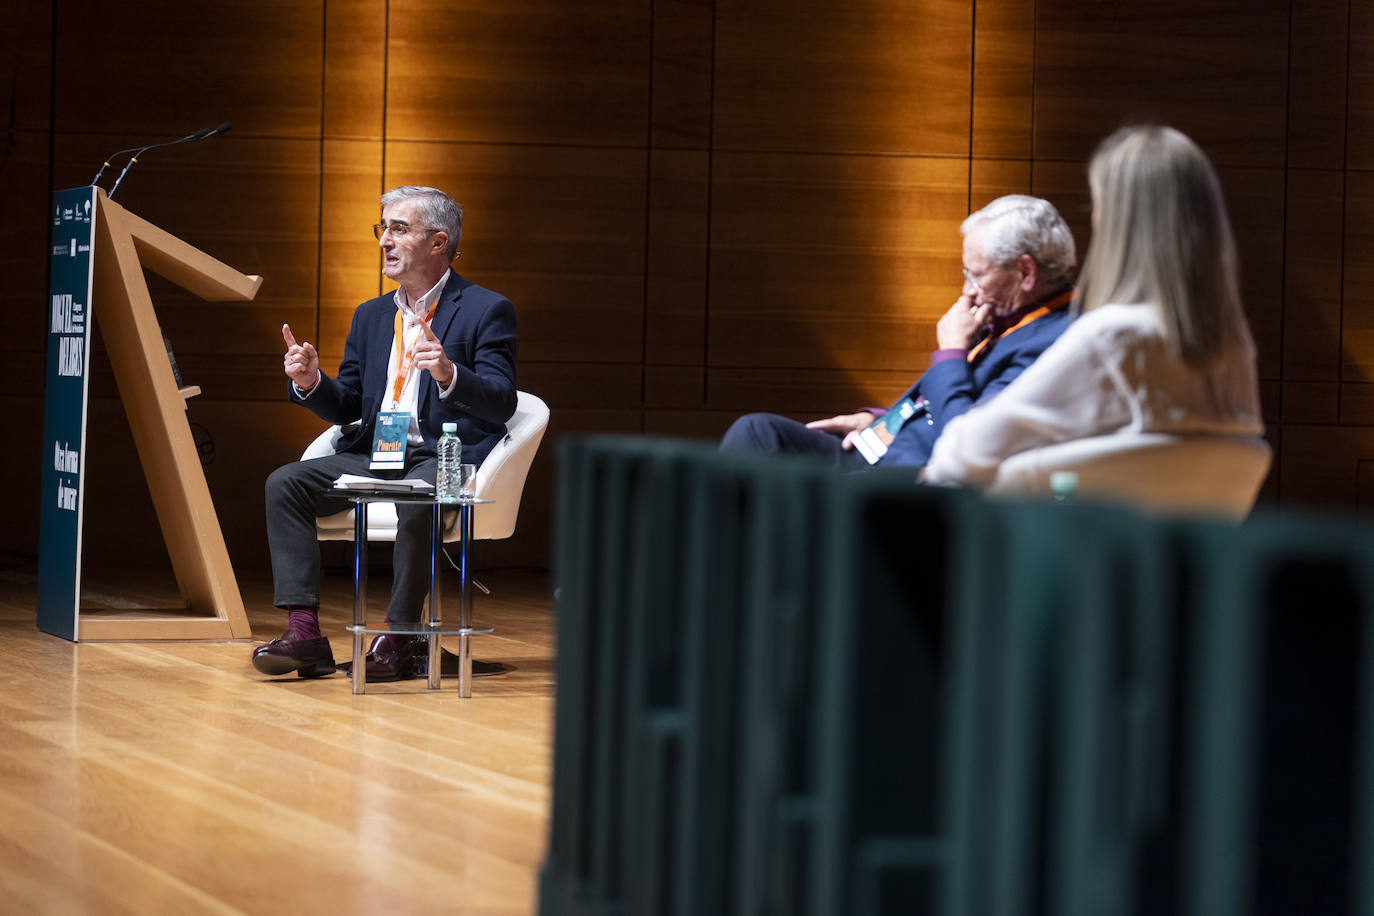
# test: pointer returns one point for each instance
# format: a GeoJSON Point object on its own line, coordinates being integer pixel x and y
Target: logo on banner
{"type": "Point", "coordinates": [68, 315]}
{"type": "Point", "coordinates": [69, 320]}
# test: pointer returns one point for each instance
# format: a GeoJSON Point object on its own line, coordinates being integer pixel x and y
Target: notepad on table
{"type": "Point", "coordinates": [359, 482]}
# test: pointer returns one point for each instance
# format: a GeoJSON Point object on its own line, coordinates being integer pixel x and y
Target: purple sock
{"type": "Point", "coordinates": [304, 622]}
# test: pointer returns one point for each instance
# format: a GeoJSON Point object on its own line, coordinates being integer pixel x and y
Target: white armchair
{"type": "Point", "coordinates": [1217, 476]}
{"type": "Point", "coordinates": [500, 478]}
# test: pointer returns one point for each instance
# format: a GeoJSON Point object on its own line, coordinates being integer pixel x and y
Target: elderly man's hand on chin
{"type": "Point", "coordinates": [959, 328]}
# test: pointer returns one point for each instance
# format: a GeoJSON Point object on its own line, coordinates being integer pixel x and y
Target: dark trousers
{"type": "Point", "coordinates": [773, 434]}
{"type": "Point", "coordinates": [294, 502]}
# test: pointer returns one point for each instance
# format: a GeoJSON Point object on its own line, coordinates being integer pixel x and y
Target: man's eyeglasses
{"type": "Point", "coordinates": [975, 278]}
{"type": "Point", "coordinates": [397, 229]}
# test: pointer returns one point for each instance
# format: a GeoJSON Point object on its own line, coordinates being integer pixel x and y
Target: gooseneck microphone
{"type": "Point", "coordinates": [202, 134]}
{"type": "Point", "coordinates": [198, 135]}
{"type": "Point", "coordinates": [106, 164]}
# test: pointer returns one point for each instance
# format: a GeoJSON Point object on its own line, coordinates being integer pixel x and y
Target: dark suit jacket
{"type": "Point", "coordinates": [953, 386]}
{"type": "Point", "coordinates": [477, 329]}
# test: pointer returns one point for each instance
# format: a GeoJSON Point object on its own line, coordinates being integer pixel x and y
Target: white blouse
{"type": "Point", "coordinates": [1110, 371]}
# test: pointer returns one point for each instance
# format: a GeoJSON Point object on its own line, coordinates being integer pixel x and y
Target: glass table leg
{"type": "Point", "coordinates": [435, 606]}
{"type": "Point", "coordinates": [359, 595]}
{"type": "Point", "coordinates": [464, 602]}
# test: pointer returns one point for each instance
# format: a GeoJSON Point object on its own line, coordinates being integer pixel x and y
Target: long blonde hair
{"type": "Point", "coordinates": [1161, 237]}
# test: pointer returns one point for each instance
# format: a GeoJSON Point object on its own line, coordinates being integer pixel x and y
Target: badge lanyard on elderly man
{"type": "Point", "coordinates": [393, 426]}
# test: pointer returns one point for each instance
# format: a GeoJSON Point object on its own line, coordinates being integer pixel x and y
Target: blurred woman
{"type": "Point", "coordinates": [1161, 344]}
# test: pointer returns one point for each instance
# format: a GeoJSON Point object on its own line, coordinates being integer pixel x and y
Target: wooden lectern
{"type": "Point", "coordinates": [122, 245]}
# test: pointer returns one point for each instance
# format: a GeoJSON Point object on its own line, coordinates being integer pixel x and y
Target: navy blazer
{"type": "Point", "coordinates": [477, 329]}
{"type": "Point", "coordinates": [952, 386]}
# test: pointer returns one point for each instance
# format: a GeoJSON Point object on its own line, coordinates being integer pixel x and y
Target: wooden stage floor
{"type": "Point", "coordinates": [171, 777]}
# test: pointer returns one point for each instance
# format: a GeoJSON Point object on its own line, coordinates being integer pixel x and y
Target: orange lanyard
{"type": "Point", "coordinates": [405, 360]}
{"type": "Point", "coordinates": [1057, 302]}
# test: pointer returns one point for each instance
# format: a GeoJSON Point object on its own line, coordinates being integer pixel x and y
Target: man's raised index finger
{"type": "Point", "coordinates": [287, 336]}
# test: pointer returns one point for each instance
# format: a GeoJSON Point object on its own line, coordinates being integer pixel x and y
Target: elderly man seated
{"type": "Point", "coordinates": [1018, 259]}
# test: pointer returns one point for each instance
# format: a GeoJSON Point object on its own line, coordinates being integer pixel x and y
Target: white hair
{"type": "Point", "coordinates": [1019, 224]}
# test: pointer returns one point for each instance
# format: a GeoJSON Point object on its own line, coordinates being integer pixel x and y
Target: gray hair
{"type": "Point", "coordinates": [434, 208]}
{"type": "Point", "coordinates": [1162, 238]}
{"type": "Point", "coordinates": [1019, 224]}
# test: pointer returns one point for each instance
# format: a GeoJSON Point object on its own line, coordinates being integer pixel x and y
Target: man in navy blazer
{"type": "Point", "coordinates": [1018, 257]}
{"type": "Point", "coordinates": [438, 349]}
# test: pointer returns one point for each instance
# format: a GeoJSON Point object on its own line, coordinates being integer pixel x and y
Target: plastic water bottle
{"type": "Point", "coordinates": [450, 457]}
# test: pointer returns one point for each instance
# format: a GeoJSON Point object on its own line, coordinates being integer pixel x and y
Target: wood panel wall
{"type": "Point", "coordinates": [699, 208]}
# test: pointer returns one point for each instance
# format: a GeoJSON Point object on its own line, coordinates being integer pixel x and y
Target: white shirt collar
{"type": "Point", "coordinates": [426, 300]}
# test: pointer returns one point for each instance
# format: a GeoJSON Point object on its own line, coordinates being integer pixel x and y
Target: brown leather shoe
{"type": "Point", "coordinates": [392, 657]}
{"type": "Point", "coordinates": [288, 652]}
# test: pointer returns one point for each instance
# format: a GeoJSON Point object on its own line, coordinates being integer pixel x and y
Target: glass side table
{"type": "Point", "coordinates": [433, 628]}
